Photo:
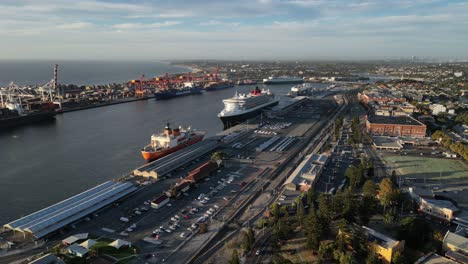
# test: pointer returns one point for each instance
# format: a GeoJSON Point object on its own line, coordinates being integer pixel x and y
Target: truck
{"type": "Point", "coordinates": [159, 201]}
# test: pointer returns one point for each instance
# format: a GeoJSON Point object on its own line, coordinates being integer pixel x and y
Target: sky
{"type": "Point", "coordinates": [233, 29]}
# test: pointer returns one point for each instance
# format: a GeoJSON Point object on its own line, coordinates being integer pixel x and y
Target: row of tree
{"type": "Point", "coordinates": [458, 147]}
{"type": "Point", "coordinates": [356, 136]}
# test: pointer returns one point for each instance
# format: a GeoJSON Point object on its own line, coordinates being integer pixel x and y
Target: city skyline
{"type": "Point", "coordinates": [264, 29]}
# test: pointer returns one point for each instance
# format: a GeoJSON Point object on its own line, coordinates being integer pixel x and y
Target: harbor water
{"type": "Point", "coordinates": [45, 163]}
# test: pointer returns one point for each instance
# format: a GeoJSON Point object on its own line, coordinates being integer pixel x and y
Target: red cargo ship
{"type": "Point", "coordinates": [169, 141]}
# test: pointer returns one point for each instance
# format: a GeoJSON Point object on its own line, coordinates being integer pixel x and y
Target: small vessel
{"type": "Point", "coordinates": [301, 89]}
{"type": "Point", "coordinates": [13, 114]}
{"type": "Point", "coordinates": [241, 107]}
{"type": "Point", "coordinates": [169, 141]}
{"type": "Point", "coordinates": [214, 86]}
{"type": "Point", "coordinates": [282, 80]}
{"type": "Point", "coordinates": [188, 88]}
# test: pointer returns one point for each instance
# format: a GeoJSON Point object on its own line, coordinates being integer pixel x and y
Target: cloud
{"type": "Point", "coordinates": [219, 23]}
{"type": "Point", "coordinates": [77, 25]}
{"type": "Point", "coordinates": [137, 26]}
{"type": "Point", "coordinates": [243, 27]}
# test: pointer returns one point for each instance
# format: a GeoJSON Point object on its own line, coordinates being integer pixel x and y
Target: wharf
{"type": "Point", "coordinates": [113, 102]}
{"type": "Point", "coordinates": [176, 160]}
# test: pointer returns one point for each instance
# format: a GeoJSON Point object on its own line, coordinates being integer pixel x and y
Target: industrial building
{"type": "Point", "coordinates": [455, 245]}
{"type": "Point", "coordinates": [54, 217]}
{"type": "Point", "coordinates": [305, 175]}
{"type": "Point", "coordinates": [385, 246]}
{"type": "Point", "coordinates": [395, 126]}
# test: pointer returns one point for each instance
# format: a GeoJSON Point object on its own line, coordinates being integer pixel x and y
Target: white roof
{"type": "Point", "coordinates": [74, 238]}
{"type": "Point", "coordinates": [88, 243]}
{"type": "Point", "coordinates": [120, 243]}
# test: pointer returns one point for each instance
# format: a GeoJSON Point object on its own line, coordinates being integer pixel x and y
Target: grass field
{"type": "Point", "coordinates": [429, 168]}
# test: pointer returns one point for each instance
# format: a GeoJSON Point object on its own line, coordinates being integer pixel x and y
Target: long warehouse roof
{"type": "Point", "coordinates": [59, 215]}
{"type": "Point", "coordinates": [44, 212]}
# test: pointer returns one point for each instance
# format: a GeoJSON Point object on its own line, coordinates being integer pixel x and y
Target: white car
{"type": "Point", "coordinates": [209, 212]}
{"type": "Point", "coordinates": [183, 234]}
{"type": "Point", "coordinates": [129, 229]}
{"type": "Point", "coordinates": [176, 216]}
{"type": "Point", "coordinates": [168, 230]}
{"type": "Point", "coordinates": [216, 206]}
{"type": "Point", "coordinates": [172, 227]}
{"type": "Point", "coordinates": [194, 225]}
{"type": "Point", "coordinates": [173, 219]}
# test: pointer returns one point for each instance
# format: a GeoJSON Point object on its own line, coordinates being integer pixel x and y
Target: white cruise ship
{"type": "Point", "coordinates": [282, 80]}
{"type": "Point", "coordinates": [241, 107]}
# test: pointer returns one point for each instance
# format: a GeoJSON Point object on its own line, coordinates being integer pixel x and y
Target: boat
{"type": "Point", "coordinates": [13, 114]}
{"type": "Point", "coordinates": [245, 106]}
{"type": "Point", "coordinates": [301, 89]}
{"type": "Point", "coordinates": [283, 80]}
{"type": "Point", "coordinates": [246, 82]}
{"type": "Point", "coordinates": [214, 86]}
{"type": "Point", "coordinates": [188, 88]}
{"type": "Point", "coordinates": [169, 141]}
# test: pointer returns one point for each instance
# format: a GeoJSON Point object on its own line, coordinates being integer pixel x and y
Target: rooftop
{"type": "Point", "coordinates": [399, 120]}
{"type": "Point", "coordinates": [433, 258]}
{"type": "Point", "coordinates": [381, 239]}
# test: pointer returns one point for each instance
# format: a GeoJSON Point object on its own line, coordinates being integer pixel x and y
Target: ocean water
{"type": "Point", "coordinates": [80, 72]}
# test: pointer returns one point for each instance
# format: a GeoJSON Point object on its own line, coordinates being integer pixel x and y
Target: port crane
{"type": "Point", "coordinates": [166, 81]}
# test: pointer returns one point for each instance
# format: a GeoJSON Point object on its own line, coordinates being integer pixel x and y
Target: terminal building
{"type": "Point", "coordinates": [51, 219]}
{"type": "Point", "coordinates": [395, 126]}
{"type": "Point", "coordinates": [306, 174]}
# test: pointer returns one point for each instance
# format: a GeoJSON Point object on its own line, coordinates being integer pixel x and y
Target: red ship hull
{"type": "Point", "coordinates": [154, 155]}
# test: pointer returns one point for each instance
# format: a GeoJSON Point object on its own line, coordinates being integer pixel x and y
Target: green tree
{"type": "Point", "coordinates": [388, 194]}
{"type": "Point", "coordinates": [310, 196]}
{"type": "Point", "coordinates": [245, 243]}
{"type": "Point", "coordinates": [324, 207]}
{"type": "Point", "coordinates": [372, 256]}
{"type": "Point", "coordinates": [369, 189]}
{"type": "Point", "coordinates": [300, 212]}
{"type": "Point", "coordinates": [366, 209]}
{"type": "Point", "coordinates": [398, 258]}
{"type": "Point", "coordinates": [416, 232]}
{"type": "Point", "coordinates": [251, 236]}
{"type": "Point", "coordinates": [314, 231]}
{"type": "Point", "coordinates": [394, 178]}
{"type": "Point", "coordinates": [325, 251]}
{"type": "Point", "coordinates": [275, 211]}
{"type": "Point", "coordinates": [217, 156]}
{"type": "Point", "coordinates": [234, 257]}
{"type": "Point", "coordinates": [359, 242]}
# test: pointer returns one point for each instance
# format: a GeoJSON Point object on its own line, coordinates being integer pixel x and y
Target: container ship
{"type": "Point", "coordinates": [188, 88]}
{"type": "Point", "coordinates": [13, 114]}
{"type": "Point", "coordinates": [169, 141]}
{"type": "Point", "coordinates": [245, 106]}
{"type": "Point", "coordinates": [214, 86]}
{"type": "Point", "coordinates": [283, 80]}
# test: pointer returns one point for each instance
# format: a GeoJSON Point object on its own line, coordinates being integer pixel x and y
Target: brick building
{"type": "Point", "coordinates": [395, 126]}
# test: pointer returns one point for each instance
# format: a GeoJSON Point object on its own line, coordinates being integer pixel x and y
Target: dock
{"type": "Point", "coordinates": [175, 160]}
